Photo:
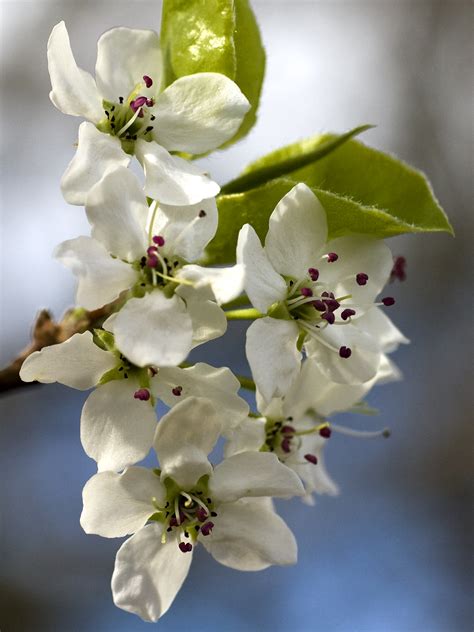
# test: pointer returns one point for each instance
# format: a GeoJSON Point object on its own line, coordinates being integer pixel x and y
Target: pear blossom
{"type": "Point", "coordinates": [296, 427]}
{"type": "Point", "coordinates": [187, 502]}
{"type": "Point", "coordinates": [128, 114]}
{"type": "Point", "coordinates": [118, 420]}
{"type": "Point", "coordinates": [314, 295]}
{"type": "Point", "coordinates": [144, 250]}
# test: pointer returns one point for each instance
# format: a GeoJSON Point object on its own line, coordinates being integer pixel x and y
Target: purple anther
{"type": "Point", "coordinates": [399, 269]}
{"type": "Point", "coordinates": [332, 257]}
{"type": "Point", "coordinates": [138, 103]}
{"type": "Point", "coordinates": [152, 261]}
{"type": "Point", "coordinates": [151, 250]}
{"type": "Point", "coordinates": [325, 432]}
{"type": "Point", "coordinates": [332, 304]}
{"type": "Point", "coordinates": [177, 390]}
{"type": "Point", "coordinates": [150, 103]}
{"type": "Point", "coordinates": [159, 240]}
{"type": "Point", "coordinates": [388, 301]}
{"type": "Point", "coordinates": [185, 547]}
{"type": "Point", "coordinates": [329, 317]}
{"type": "Point", "coordinates": [345, 352]}
{"type": "Point", "coordinates": [174, 522]}
{"type": "Point", "coordinates": [207, 528]}
{"type": "Point", "coordinates": [311, 458]}
{"type": "Point", "coordinates": [362, 278]}
{"type": "Point", "coordinates": [142, 394]}
{"type": "Point", "coordinates": [313, 274]}
{"type": "Point", "coordinates": [287, 430]}
{"type": "Point", "coordinates": [347, 313]}
{"type": "Point", "coordinates": [148, 81]}
{"type": "Point", "coordinates": [202, 213]}
{"type": "Point", "coordinates": [306, 291]}
{"type": "Point", "coordinates": [286, 445]}
{"type": "Point", "coordinates": [319, 305]}
{"type": "Point", "coordinates": [202, 514]}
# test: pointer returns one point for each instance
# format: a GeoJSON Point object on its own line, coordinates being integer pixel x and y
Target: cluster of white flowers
{"type": "Point", "coordinates": [318, 343]}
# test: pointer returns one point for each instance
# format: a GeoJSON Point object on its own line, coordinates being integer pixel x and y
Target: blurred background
{"type": "Point", "coordinates": [392, 553]}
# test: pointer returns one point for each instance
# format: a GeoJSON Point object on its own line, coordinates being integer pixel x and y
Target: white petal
{"type": "Point", "coordinates": [117, 211]}
{"type": "Point", "coordinates": [388, 371]}
{"type": "Point", "coordinates": [152, 330]}
{"type": "Point", "coordinates": [97, 154]}
{"type": "Point", "coordinates": [208, 319]}
{"type": "Point", "coordinates": [273, 356]}
{"type": "Point", "coordinates": [185, 229]}
{"type": "Point", "coordinates": [73, 89]}
{"type": "Point", "coordinates": [123, 56]}
{"type": "Point", "coordinates": [315, 390]}
{"type": "Point", "coordinates": [117, 430]}
{"type": "Point", "coordinates": [263, 284]}
{"type": "Point", "coordinates": [100, 278]}
{"type": "Point", "coordinates": [202, 380]}
{"type": "Point", "coordinates": [274, 408]}
{"type": "Point", "coordinates": [119, 504]}
{"type": "Point", "coordinates": [253, 474]}
{"type": "Point", "coordinates": [249, 536]}
{"type": "Point", "coordinates": [199, 112]}
{"type": "Point", "coordinates": [225, 283]}
{"type": "Point", "coordinates": [315, 477]}
{"type": "Point", "coordinates": [77, 363]}
{"type": "Point", "coordinates": [357, 253]}
{"type": "Point", "coordinates": [360, 367]}
{"type": "Point", "coordinates": [248, 436]}
{"type": "Point", "coordinates": [170, 179]}
{"type": "Point", "coordinates": [376, 323]}
{"type": "Point", "coordinates": [184, 438]}
{"type": "Point", "coordinates": [147, 574]}
{"type": "Point", "coordinates": [296, 232]}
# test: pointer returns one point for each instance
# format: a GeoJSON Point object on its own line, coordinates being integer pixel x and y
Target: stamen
{"type": "Point", "coordinates": [325, 432]}
{"type": "Point", "coordinates": [287, 430]}
{"type": "Point", "coordinates": [129, 124]}
{"type": "Point", "coordinates": [311, 458]}
{"type": "Point", "coordinates": [202, 513]}
{"type": "Point", "coordinates": [138, 103]}
{"type": "Point", "coordinates": [143, 394]}
{"type": "Point", "coordinates": [202, 213]}
{"type": "Point", "coordinates": [207, 528]}
{"type": "Point", "coordinates": [345, 352]}
{"type": "Point", "coordinates": [313, 274]}
{"type": "Point", "coordinates": [177, 390]}
{"type": "Point", "coordinates": [332, 304]}
{"type": "Point", "coordinates": [185, 547]}
{"type": "Point", "coordinates": [148, 81]}
{"type": "Point", "coordinates": [319, 305]}
{"type": "Point", "coordinates": [151, 250]}
{"type": "Point", "coordinates": [361, 434]}
{"type": "Point", "coordinates": [152, 261]}
{"type": "Point", "coordinates": [362, 278]}
{"type": "Point", "coordinates": [286, 445]}
{"type": "Point", "coordinates": [150, 103]}
{"type": "Point", "coordinates": [347, 313]}
{"type": "Point", "coordinates": [332, 257]}
{"type": "Point", "coordinates": [306, 291]}
{"type": "Point", "coordinates": [329, 317]}
{"type": "Point", "coordinates": [159, 240]}
{"type": "Point", "coordinates": [388, 301]}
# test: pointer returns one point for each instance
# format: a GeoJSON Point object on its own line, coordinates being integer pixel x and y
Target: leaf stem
{"type": "Point", "coordinates": [243, 314]}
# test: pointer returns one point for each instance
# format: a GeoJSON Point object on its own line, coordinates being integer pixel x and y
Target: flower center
{"type": "Point", "coordinates": [132, 117]}
{"type": "Point", "coordinates": [186, 513]}
{"type": "Point", "coordinates": [282, 438]}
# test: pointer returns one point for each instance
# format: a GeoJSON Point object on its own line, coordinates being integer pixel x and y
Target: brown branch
{"type": "Point", "coordinates": [48, 332]}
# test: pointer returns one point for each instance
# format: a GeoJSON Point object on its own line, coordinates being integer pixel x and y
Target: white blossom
{"type": "Point", "coordinates": [118, 420]}
{"type": "Point", "coordinates": [128, 114]}
{"type": "Point", "coordinates": [296, 428]}
{"type": "Point", "coordinates": [144, 250]}
{"type": "Point", "coordinates": [226, 508]}
{"type": "Point", "coordinates": [315, 294]}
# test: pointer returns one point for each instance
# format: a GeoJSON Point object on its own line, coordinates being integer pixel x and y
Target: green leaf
{"type": "Point", "coordinates": [214, 36]}
{"type": "Point", "coordinates": [287, 159]}
{"type": "Point", "coordinates": [362, 190]}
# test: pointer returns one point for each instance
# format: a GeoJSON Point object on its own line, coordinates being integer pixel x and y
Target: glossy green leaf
{"type": "Point", "coordinates": [287, 159]}
{"type": "Point", "coordinates": [214, 36]}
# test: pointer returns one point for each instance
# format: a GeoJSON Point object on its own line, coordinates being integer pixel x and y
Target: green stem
{"type": "Point", "coordinates": [237, 302]}
{"type": "Point", "coordinates": [263, 174]}
{"type": "Point", "coordinates": [243, 314]}
{"type": "Point", "coordinates": [247, 383]}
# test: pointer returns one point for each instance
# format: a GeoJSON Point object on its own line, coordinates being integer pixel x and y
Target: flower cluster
{"type": "Point", "coordinates": [319, 340]}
